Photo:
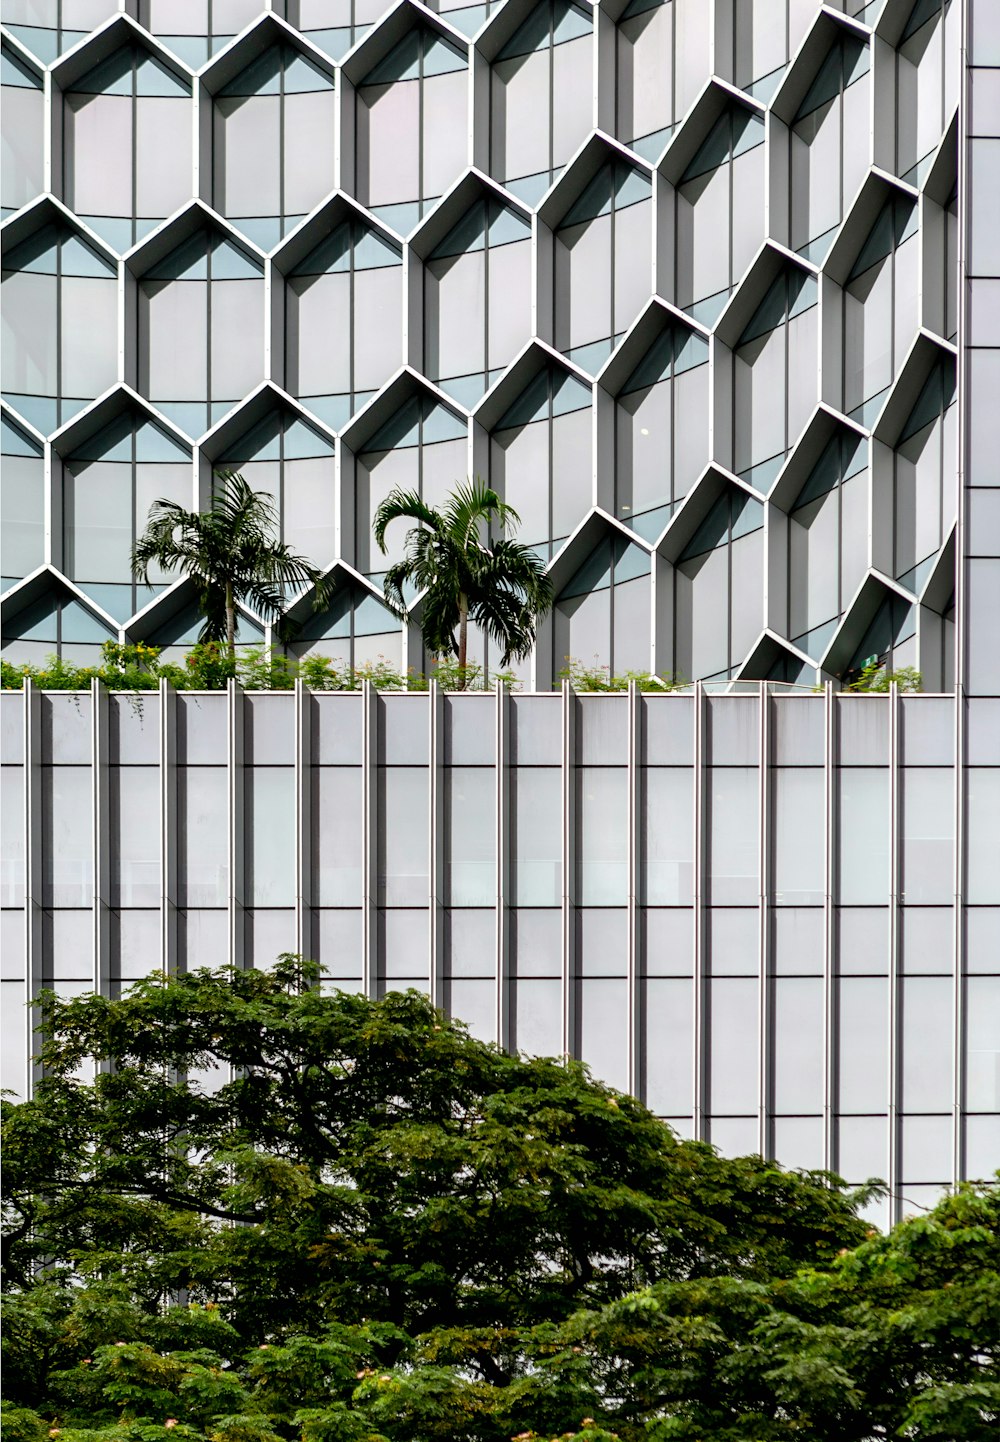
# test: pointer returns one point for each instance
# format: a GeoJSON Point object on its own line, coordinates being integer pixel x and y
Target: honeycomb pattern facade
{"type": "Point", "coordinates": [679, 278]}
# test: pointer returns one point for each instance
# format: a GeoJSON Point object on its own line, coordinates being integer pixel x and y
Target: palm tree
{"type": "Point", "coordinates": [231, 553]}
{"type": "Point", "coordinates": [503, 587]}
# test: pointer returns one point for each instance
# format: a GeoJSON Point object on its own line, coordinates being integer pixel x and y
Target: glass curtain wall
{"type": "Point", "coordinates": [828, 543]}
{"type": "Point", "coordinates": [22, 503]}
{"type": "Point", "coordinates": [881, 309]}
{"type": "Point", "coordinates": [127, 145]}
{"type": "Point", "coordinates": [356, 630]}
{"type": "Point", "coordinates": [720, 213]}
{"type": "Point", "coordinates": [22, 128]}
{"type": "Point", "coordinates": [290, 461]}
{"type": "Point", "coordinates": [339, 347]}
{"type": "Point", "coordinates": [56, 624]}
{"type": "Point", "coordinates": [195, 30]}
{"type": "Point", "coordinates": [829, 146]}
{"type": "Point", "coordinates": [541, 97]}
{"type": "Point", "coordinates": [412, 139]}
{"type": "Point", "coordinates": [109, 484]}
{"type": "Point", "coordinates": [603, 263]}
{"type": "Point", "coordinates": [477, 299]}
{"type": "Point", "coordinates": [661, 430]}
{"type": "Point", "coordinates": [926, 84]}
{"type": "Point", "coordinates": [423, 448]}
{"type": "Point", "coordinates": [273, 155]}
{"type": "Point", "coordinates": [48, 27]}
{"type": "Point", "coordinates": [60, 326]}
{"type": "Point", "coordinates": [661, 58]}
{"type": "Point", "coordinates": [924, 461]}
{"type": "Point", "coordinates": [718, 611]}
{"type": "Point", "coordinates": [201, 330]}
{"type": "Point", "coordinates": [602, 615]}
{"type": "Point", "coordinates": [541, 458]}
{"type": "Point", "coordinates": [766, 34]}
{"type": "Point", "coordinates": [774, 381]}
{"type": "Point", "coordinates": [334, 26]}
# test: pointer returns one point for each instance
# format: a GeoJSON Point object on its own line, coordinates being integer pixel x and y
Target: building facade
{"type": "Point", "coordinates": [708, 292]}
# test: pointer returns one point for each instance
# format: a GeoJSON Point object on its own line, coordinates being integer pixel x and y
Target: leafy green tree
{"type": "Point", "coordinates": [232, 554]}
{"type": "Point", "coordinates": [272, 1213]}
{"type": "Point", "coordinates": [500, 585]}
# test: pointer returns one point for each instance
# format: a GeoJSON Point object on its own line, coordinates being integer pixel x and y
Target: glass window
{"type": "Point", "coordinates": [273, 143]}
{"type": "Point", "coordinates": [56, 624]}
{"type": "Point", "coordinates": [411, 132]}
{"type": "Point", "coordinates": [603, 612]}
{"type": "Point", "coordinates": [733, 1049]}
{"type": "Point", "coordinates": [60, 326]}
{"type": "Point", "coordinates": [924, 479]}
{"type": "Point", "coordinates": [603, 1029]}
{"type": "Point", "coordinates": [127, 145]}
{"type": "Point", "coordinates": [720, 213]}
{"type": "Point", "coordinates": [925, 1010]}
{"type": "Point", "coordinates": [827, 543]}
{"type": "Point", "coordinates": [356, 631]}
{"type": "Point", "coordinates": [798, 1039]}
{"type": "Point", "coordinates": [537, 1017]}
{"type": "Point", "coordinates": [717, 590]}
{"type": "Point", "coordinates": [536, 942]}
{"type": "Point", "coordinates": [863, 1148]}
{"type": "Point", "coordinates": [863, 940]}
{"type": "Point", "coordinates": [23, 123]}
{"type": "Point", "coordinates": [863, 836]}
{"type": "Point", "coordinates": [477, 296]}
{"type": "Point", "coordinates": [799, 832]}
{"type": "Point", "coordinates": [337, 942]}
{"type": "Point", "coordinates": [928, 812]}
{"type": "Point", "coordinates": [602, 259]}
{"type": "Point", "coordinates": [470, 947]}
{"type": "Point", "coordinates": [336, 831]}
{"type": "Point", "coordinates": [421, 448]}
{"type": "Point", "coordinates": [13, 830]}
{"type": "Point", "coordinates": [925, 1155]}
{"type": "Point", "coordinates": [602, 836]}
{"type": "Point", "coordinates": [541, 97]}
{"type": "Point", "coordinates": [22, 503]}
{"type": "Point", "coordinates": [541, 458]}
{"type": "Point", "coordinates": [662, 49]}
{"type": "Point", "coordinates": [661, 431]}
{"type": "Point", "coordinates": [862, 1042]}
{"type": "Point", "coordinates": [766, 33]}
{"type": "Point", "coordinates": [470, 836]}
{"type": "Point", "coordinates": [196, 29]}
{"type": "Point", "coordinates": [982, 1007]}
{"type": "Point", "coordinates": [403, 826]}
{"type": "Point", "coordinates": [601, 941]}
{"type": "Point", "coordinates": [536, 829]}
{"type": "Point", "coordinates": [202, 836]}
{"type": "Point", "coordinates": [110, 483]}
{"type": "Point", "coordinates": [201, 324]}
{"type": "Point", "coordinates": [340, 346]}
{"type": "Point", "coordinates": [982, 801]}
{"type": "Point", "coordinates": [927, 939]}
{"type": "Point", "coordinates": [67, 841]}
{"type": "Point", "coordinates": [668, 1029]}
{"type": "Point", "coordinates": [134, 803]}
{"type": "Point", "coordinates": [880, 309]}
{"type": "Point", "coordinates": [775, 377]}
{"type": "Point", "coordinates": [732, 822]}
{"type": "Point", "coordinates": [798, 940]}
{"type": "Point", "coordinates": [667, 831]}
{"type": "Point", "coordinates": [404, 948]}
{"type": "Point", "coordinates": [829, 146]}
{"type": "Point", "coordinates": [286, 458]}
{"type": "Point", "coordinates": [732, 935]}
{"type": "Point", "coordinates": [924, 58]}
{"type": "Point", "coordinates": [48, 27]}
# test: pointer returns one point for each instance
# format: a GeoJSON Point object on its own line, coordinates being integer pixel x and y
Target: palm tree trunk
{"type": "Point", "coordinates": [230, 622]}
{"type": "Point", "coordinates": [463, 640]}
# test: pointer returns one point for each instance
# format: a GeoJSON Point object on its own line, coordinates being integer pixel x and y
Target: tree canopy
{"type": "Point", "coordinates": [232, 553]}
{"type": "Point", "coordinates": [243, 1209]}
{"type": "Point", "coordinates": [500, 585]}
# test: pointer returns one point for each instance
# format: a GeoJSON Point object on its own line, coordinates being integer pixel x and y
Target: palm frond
{"type": "Point", "coordinates": [402, 505]}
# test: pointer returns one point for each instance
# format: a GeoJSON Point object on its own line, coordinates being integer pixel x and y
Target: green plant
{"type": "Point", "coordinates": [599, 678]}
{"type": "Point", "coordinates": [231, 553]}
{"type": "Point", "coordinates": [503, 588]}
{"type": "Point", "coordinates": [875, 677]}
